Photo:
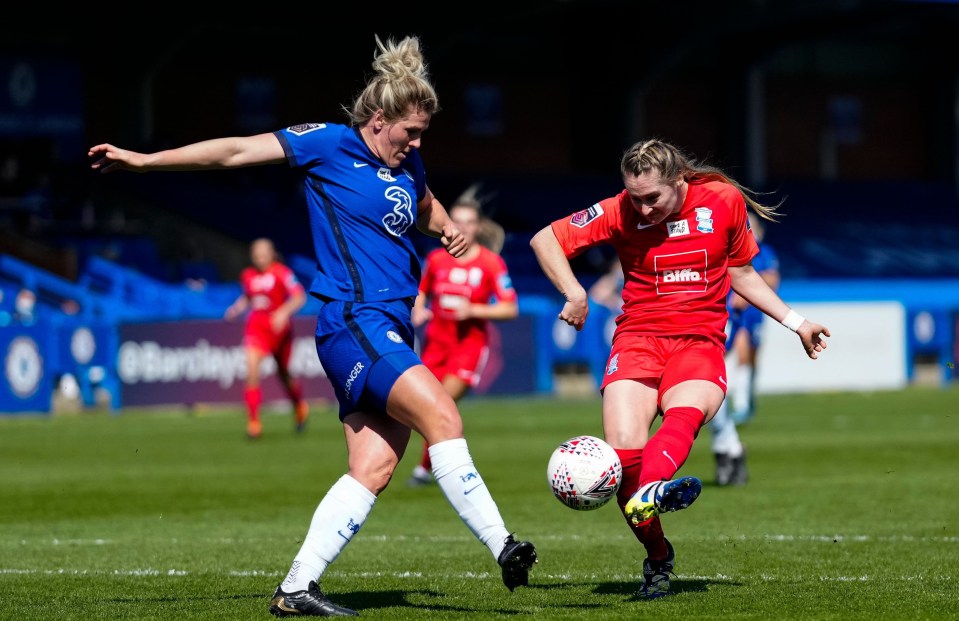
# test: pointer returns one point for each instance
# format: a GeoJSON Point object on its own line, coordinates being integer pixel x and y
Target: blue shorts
{"type": "Point", "coordinates": [364, 348]}
{"type": "Point", "coordinates": [749, 319]}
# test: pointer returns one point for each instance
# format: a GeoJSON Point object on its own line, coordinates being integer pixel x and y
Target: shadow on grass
{"type": "Point", "coordinates": [400, 599]}
{"type": "Point", "coordinates": [357, 600]}
{"type": "Point", "coordinates": [630, 589]}
{"type": "Point", "coordinates": [728, 486]}
{"type": "Point", "coordinates": [369, 600]}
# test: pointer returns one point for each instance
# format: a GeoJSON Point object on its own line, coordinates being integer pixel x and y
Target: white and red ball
{"type": "Point", "coordinates": [584, 473]}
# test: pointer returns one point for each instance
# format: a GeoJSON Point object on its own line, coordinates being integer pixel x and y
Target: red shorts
{"type": "Point", "coordinates": [466, 361]}
{"type": "Point", "coordinates": [666, 360]}
{"type": "Point", "coordinates": [259, 335]}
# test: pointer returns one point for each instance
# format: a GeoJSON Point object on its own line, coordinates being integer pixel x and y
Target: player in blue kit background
{"type": "Point", "coordinates": [743, 338]}
{"type": "Point", "coordinates": [366, 192]}
{"type": "Point", "coordinates": [745, 329]}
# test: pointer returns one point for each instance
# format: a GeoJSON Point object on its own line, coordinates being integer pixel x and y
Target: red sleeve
{"type": "Point", "coordinates": [245, 277]}
{"type": "Point", "coordinates": [502, 284]}
{"type": "Point", "coordinates": [426, 280]}
{"type": "Point", "coordinates": [595, 225]}
{"type": "Point", "coordinates": [742, 244]}
{"type": "Point", "coordinates": [290, 282]}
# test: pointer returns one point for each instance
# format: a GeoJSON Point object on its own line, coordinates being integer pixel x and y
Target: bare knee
{"type": "Point", "coordinates": [252, 370]}
{"type": "Point", "coordinates": [446, 424]}
{"type": "Point", "coordinates": [373, 473]}
{"type": "Point", "coordinates": [419, 401]}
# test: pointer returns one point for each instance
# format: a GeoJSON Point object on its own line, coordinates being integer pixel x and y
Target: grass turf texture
{"type": "Point", "coordinates": [850, 513]}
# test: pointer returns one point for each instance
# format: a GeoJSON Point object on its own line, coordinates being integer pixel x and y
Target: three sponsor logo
{"type": "Point", "coordinates": [401, 217]}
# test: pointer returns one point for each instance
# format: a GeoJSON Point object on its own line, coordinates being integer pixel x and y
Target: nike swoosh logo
{"type": "Point", "coordinates": [670, 459]}
{"type": "Point", "coordinates": [722, 379]}
{"type": "Point", "coordinates": [640, 227]}
{"type": "Point", "coordinates": [472, 489]}
{"type": "Point", "coordinates": [358, 165]}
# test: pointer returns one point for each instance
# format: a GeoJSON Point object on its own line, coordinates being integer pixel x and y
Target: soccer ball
{"type": "Point", "coordinates": [584, 473]}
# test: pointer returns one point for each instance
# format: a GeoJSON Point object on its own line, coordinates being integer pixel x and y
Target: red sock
{"type": "Point", "coordinates": [253, 398]}
{"type": "Point", "coordinates": [632, 460]}
{"type": "Point", "coordinates": [425, 461]}
{"type": "Point", "coordinates": [669, 447]}
{"type": "Point", "coordinates": [650, 532]}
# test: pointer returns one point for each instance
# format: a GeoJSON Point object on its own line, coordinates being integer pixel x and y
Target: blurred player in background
{"type": "Point", "coordinates": [273, 296]}
{"type": "Point", "coordinates": [608, 288]}
{"type": "Point", "coordinates": [679, 229]}
{"type": "Point", "coordinates": [365, 188]}
{"type": "Point", "coordinates": [458, 297]}
{"type": "Point", "coordinates": [743, 337]}
{"type": "Point", "coordinates": [745, 328]}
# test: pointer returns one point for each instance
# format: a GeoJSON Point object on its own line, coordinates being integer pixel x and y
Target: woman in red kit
{"type": "Point", "coordinates": [458, 298]}
{"type": "Point", "coordinates": [680, 230]}
{"type": "Point", "coordinates": [273, 295]}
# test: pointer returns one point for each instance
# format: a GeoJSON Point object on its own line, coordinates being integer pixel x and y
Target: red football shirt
{"type": "Point", "coordinates": [449, 282]}
{"type": "Point", "coordinates": [675, 278]}
{"type": "Point", "coordinates": [268, 290]}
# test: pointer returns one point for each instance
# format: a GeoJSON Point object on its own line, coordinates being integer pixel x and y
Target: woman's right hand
{"type": "Point", "coordinates": [575, 311]}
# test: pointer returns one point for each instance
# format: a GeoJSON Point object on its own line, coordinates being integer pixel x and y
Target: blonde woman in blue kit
{"type": "Point", "coordinates": [366, 192]}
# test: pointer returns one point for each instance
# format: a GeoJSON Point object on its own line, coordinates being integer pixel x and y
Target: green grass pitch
{"type": "Point", "coordinates": [851, 512]}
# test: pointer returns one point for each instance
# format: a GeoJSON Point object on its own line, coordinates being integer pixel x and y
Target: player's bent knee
{"type": "Point", "coordinates": [444, 423]}
{"type": "Point", "coordinates": [373, 477]}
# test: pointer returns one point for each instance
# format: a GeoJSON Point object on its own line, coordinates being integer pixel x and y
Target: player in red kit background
{"type": "Point", "coordinates": [458, 298]}
{"type": "Point", "coordinates": [272, 294]}
{"type": "Point", "coordinates": [680, 231]}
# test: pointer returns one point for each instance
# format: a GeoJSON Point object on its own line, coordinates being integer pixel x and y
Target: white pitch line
{"type": "Point", "coordinates": [781, 538]}
{"type": "Point", "coordinates": [98, 572]}
{"type": "Point", "coordinates": [415, 575]}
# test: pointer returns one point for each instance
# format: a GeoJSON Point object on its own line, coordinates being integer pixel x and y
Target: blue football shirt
{"type": "Point", "coordinates": [361, 213]}
{"type": "Point", "coordinates": [766, 260]}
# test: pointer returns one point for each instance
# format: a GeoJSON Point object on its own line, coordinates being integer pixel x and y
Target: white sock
{"type": "Point", "coordinates": [337, 518]}
{"type": "Point", "coordinates": [743, 387]}
{"type": "Point", "coordinates": [466, 491]}
{"type": "Point", "coordinates": [725, 435]}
